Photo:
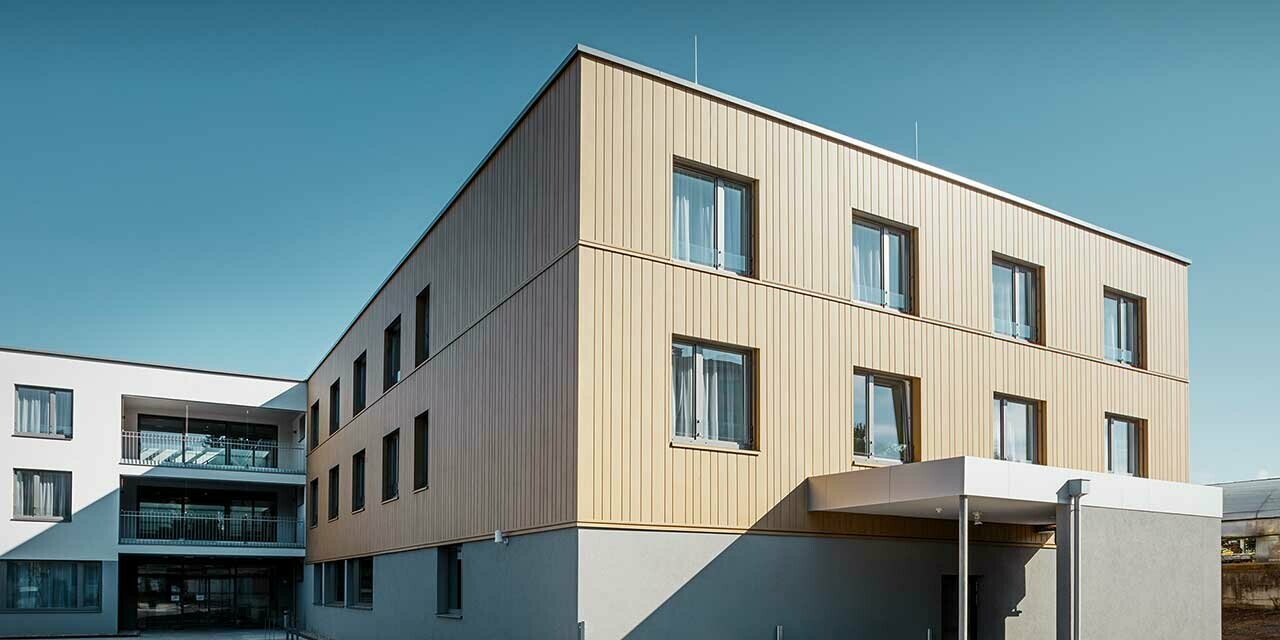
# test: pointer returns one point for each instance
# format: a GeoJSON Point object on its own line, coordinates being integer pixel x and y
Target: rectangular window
{"type": "Point", "coordinates": [359, 383]}
{"type": "Point", "coordinates": [1015, 429]}
{"type": "Point", "coordinates": [41, 495]}
{"type": "Point", "coordinates": [422, 326]}
{"type": "Point", "coordinates": [391, 354]}
{"type": "Point", "coordinates": [449, 579]}
{"type": "Point", "coordinates": [882, 416]}
{"type": "Point", "coordinates": [41, 411]}
{"type": "Point", "coordinates": [335, 404]}
{"type": "Point", "coordinates": [711, 395]}
{"type": "Point", "coordinates": [391, 465]}
{"type": "Point", "coordinates": [357, 481]}
{"type": "Point", "coordinates": [335, 583]}
{"type": "Point", "coordinates": [362, 581]}
{"type": "Point", "coordinates": [711, 221]}
{"type": "Point", "coordinates": [313, 503]}
{"type": "Point", "coordinates": [881, 265]}
{"type": "Point", "coordinates": [51, 585]}
{"type": "Point", "coordinates": [421, 447]}
{"type": "Point", "coordinates": [1123, 450]}
{"type": "Point", "coordinates": [302, 427]}
{"type": "Point", "coordinates": [315, 425]}
{"type": "Point", "coordinates": [1121, 319]}
{"type": "Point", "coordinates": [1015, 300]}
{"type": "Point", "coordinates": [333, 492]}
{"type": "Point", "coordinates": [317, 583]}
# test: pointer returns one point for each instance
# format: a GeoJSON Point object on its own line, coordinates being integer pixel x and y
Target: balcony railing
{"type": "Point", "coordinates": [143, 527]}
{"type": "Point", "coordinates": [210, 452]}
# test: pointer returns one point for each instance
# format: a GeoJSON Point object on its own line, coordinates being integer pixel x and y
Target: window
{"type": "Point", "coordinates": [333, 493]}
{"type": "Point", "coordinates": [711, 395]}
{"type": "Point", "coordinates": [335, 403]}
{"type": "Point", "coordinates": [302, 427]}
{"type": "Point", "coordinates": [711, 221]}
{"type": "Point", "coordinates": [357, 481]}
{"type": "Point", "coordinates": [361, 570]}
{"type": "Point", "coordinates": [317, 583]}
{"type": "Point", "coordinates": [43, 412]}
{"type": "Point", "coordinates": [449, 579]}
{"type": "Point", "coordinates": [391, 354]}
{"type": "Point", "coordinates": [1016, 429]}
{"type": "Point", "coordinates": [1123, 448]}
{"type": "Point", "coordinates": [421, 447]}
{"type": "Point", "coordinates": [41, 495]}
{"type": "Point", "coordinates": [1014, 301]}
{"type": "Point", "coordinates": [50, 585]}
{"type": "Point", "coordinates": [359, 383]}
{"type": "Point", "coordinates": [1121, 318]}
{"type": "Point", "coordinates": [335, 583]}
{"type": "Point", "coordinates": [881, 416]}
{"type": "Point", "coordinates": [422, 327]}
{"type": "Point", "coordinates": [881, 265]}
{"type": "Point", "coordinates": [391, 465]}
{"type": "Point", "coordinates": [315, 424]}
{"type": "Point", "coordinates": [313, 502]}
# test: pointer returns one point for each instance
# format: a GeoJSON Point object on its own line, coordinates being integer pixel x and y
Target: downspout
{"type": "Point", "coordinates": [1076, 489]}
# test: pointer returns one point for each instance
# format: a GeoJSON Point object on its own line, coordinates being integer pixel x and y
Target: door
{"type": "Point", "coordinates": [951, 608]}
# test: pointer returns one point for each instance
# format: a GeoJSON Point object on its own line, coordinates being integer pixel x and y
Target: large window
{"type": "Point", "coordinates": [317, 583]}
{"type": "Point", "coordinates": [1015, 429]}
{"type": "Point", "coordinates": [357, 481]}
{"type": "Point", "coordinates": [421, 449]}
{"type": "Point", "coordinates": [422, 326]}
{"type": "Point", "coordinates": [1015, 300]}
{"type": "Point", "coordinates": [881, 265]}
{"type": "Point", "coordinates": [391, 465]}
{"type": "Point", "coordinates": [335, 404]}
{"type": "Point", "coordinates": [335, 583]}
{"type": "Point", "coordinates": [43, 412]}
{"type": "Point", "coordinates": [313, 503]}
{"type": "Point", "coordinates": [51, 585]}
{"type": "Point", "coordinates": [315, 425]}
{"type": "Point", "coordinates": [449, 580]}
{"type": "Point", "coordinates": [391, 354]}
{"type": "Point", "coordinates": [881, 416]}
{"type": "Point", "coordinates": [361, 570]}
{"type": "Point", "coordinates": [1121, 319]}
{"type": "Point", "coordinates": [359, 383]}
{"type": "Point", "coordinates": [711, 395]}
{"type": "Point", "coordinates": [711, 221]}
{"type": "Point", "coordinates": [41, 495]}
{"type": "Point", "coordinates": [1123, 450]}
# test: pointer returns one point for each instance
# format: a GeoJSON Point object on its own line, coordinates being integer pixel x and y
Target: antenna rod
{"type": "Point", "coordinates": [917, 139]}
{"type": "Point", "coordinates": [695, 58]}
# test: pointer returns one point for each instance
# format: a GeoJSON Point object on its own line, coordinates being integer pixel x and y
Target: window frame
{"type": "Point", "coordinates": [52, 407]}
{"type": "Point", "coordinates": [335, 492]}
{"type": "Point", "coordinates": [359, 383]}
{"type": "Point", "coordinates": [69, 502]}
{"type": "Point", "coordinates": [1018, 303]}
{"type": "Point", "coordinates": [719, 179]}
{"type": "Point", "coordinates": [317, 586]}
{"type": "Point", "coordinates": [1036, 433]}
{"type": "Point", "coordinates": [1136, 433]}
{"type": "Point", "coordinates": [391, 470]}
{"type": "Point", "coordinates": [335, 581]}
{"type": "Point", "coordinates": [392, 368]}
{"type": "Point", "coordinates": [749, 387]}
{"type": "Point", "coordinates": [313, 503]}
{"type": "Point", "coordinates": [422, 327]}
{"type": "Point", "coordinates": [314, 434]}
{"type": "Point", "coordinates": [335, 406]}
{"type": "Point", "coordinates": [1139, 334]}
{"type": "Point", "coordinates": [907, 262]}
{"type": "Point", "coordinates": [909, 425]}
{"type": "Point", "coordinates": [358, 482]}
{"type": "Point", "coordinates": [421, 451]}
{"type": "Point", "coordinates": [355, 573]}
{"type": "Point", "coordinates": [79, 595]}
{"type": "Point", "coordinates": [449, 580]}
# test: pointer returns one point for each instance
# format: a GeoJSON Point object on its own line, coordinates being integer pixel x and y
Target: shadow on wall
{"type": "Point", "coordinates": [863, 585]}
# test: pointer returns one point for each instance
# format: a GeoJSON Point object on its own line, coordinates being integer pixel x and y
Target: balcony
{"type": "Point", "coordinates": [159, 449]}
{"type": "Point", "coordinates": [161, 528]}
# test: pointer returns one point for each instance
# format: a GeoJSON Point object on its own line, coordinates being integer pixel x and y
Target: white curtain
{"type": "Point", "coordinates": [725, 389]}
{"type": "Point", "coordinates": [866, 264]}
{"type": "Point", "coordinates": [43, 585]}
{"type": "Point", "coordinates": [693, 219]}
{"type": "Point", "coordinates": [42, 494]}
{"type": "Point", "coordinates": [33, 410]}
{"type": "Point", "coordinates": [682, 390]}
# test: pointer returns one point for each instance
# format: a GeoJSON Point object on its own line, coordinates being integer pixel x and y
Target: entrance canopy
{"type": "Point", "coordinates": [999, 491]}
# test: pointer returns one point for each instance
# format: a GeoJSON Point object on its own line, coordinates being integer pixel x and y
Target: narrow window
{"type": "Point", "coordinates": [711, 395]}
{"type": "Point", "coordinates": [50, 584]}
{"type": "Point", "coordinates": [362, 581]}
{"type": "Point", "coordinates": [302, 427]}
{"type": "Point", "coordinates": [711, 221]}
{"type": "Point", "coordinates": [333, 493]}
{"type": "Point", "coordinates": [41, 495]}
{"type": "Point", "coordinates": [1122, 330]}
{"type": "Point", "coordinates": [1015, 429]}
{"type": "Point", "coordinates": [881, 265]}
{"type": "Point", "coordinates": [421, 448]}
{"type": "Point", "coordinates": [315, 425]}
{"type": "Point", "coordinates": [313, 502]}
{"type": "Point", "coordinates": [43, 412]}
{"type": "Point", "coordinates": [335, 583]}
{"type": "Point", "coordinates": [357, 481]}
{"type": "Point", "coordinates": [359, 383]}
{"type": "Point", "coordinates": [391, 354]}
{"type": "Point", "coordinates": [449, 580]}
{"type": "Point", "coordinates": [1123, 448]}
{"type": "Point", "coordinates": [422, 327]}
{"type": "Point", "coordinates": [317, 583]}
{"type": "Point", "coordinates": [391, 465]}
{"type": "Point", "coordinates": [1015, 300]}
{"type": "Point", "coordinates": [335, 404]}
{"type": "Point", "coordinates": [881, 417]}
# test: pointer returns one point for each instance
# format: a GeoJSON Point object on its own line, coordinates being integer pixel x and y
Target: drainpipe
{"type": "Point", "coordinates": [962, 576]}
{"type": "Point", "coordinates": [1076, 489]}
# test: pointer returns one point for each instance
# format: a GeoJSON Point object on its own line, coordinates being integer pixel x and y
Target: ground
{"type": "Point", "coordinates": [1250, 624]}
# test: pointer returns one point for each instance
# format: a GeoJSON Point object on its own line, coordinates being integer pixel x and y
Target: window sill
{"type": "Point", "coordinates": [391, 499]}
{"type": "Point", "coordinates": [449, 616]}
{"type": "Point", "coordinates": [355, 511]}
{"type": "Point", "coordinates": [333, 519]}
{"type": "Point", "coordinates": [43, 436]}
{"type": "Point", "coordinates": [335, 605]}
{"type": "Point", "coordinates": [868, 461]}
{"type": "Point", "coordinates": [361, 607]}
{"type": "Point", "coordinates": [1018, 339]}
{"type": "Point", "coordinates": [879, 307]}
{"type": "Point", "coordinates": [421, 489]}
{"type": "Point", "coordinates": [703, 445]}
{"type": "Point", "coordinates": [716, 270]}
{"type": "Point", "coordinates": [38, 519]}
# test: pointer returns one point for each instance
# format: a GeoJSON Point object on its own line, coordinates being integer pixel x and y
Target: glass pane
{"type": "Point", "coordinates": [860, 434]}
{"type": "Point", "coordinates": [1111, 327]}
{"type": "Point", "coordinates": [91, 586]}
{"type": "Point", "coordinates": [724, 389]}
{"type": "Point", "coordinates": [1018, 423]}
{"type": "Point", "coordinates": [896, 277]}
{"type": "Point", "coordinates": [693, 219]}
{"type": "Point", "coordinates": [997, 438]}
{"type": "Point", "coordinates": [33, 411]}
{"type": "Point", "coordinates": [1026, 317]}
{"type": "Point", "coordinates": [62, 412]}
{"type": "Point", "coordinates": [866, 264]}
{"type": "Point", "coordinates": [1002, 299]}
{"type": "Point", "coordinates": [1129, 331]}
{"type": "Point", "coordinates": [889, 421]}
{"type": "Point", "coordinates": [682, 390]}
{"type": "Point", "coordinates": [1118, 456]}
{"type": "Point", "coordinates": [737, 229]}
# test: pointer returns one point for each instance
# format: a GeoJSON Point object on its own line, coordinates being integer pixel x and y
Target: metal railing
{"type": "Point", "coordinates": [210, 452]}
{"type": "Point", "coordinates": [150, 527]}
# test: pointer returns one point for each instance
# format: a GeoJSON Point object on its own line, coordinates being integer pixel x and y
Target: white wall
{"type": "Point", "coordinates": [93, 452]}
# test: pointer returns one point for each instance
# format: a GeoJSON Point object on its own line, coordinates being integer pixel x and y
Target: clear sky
{"type": "Point", "coordinates": [223, 185]}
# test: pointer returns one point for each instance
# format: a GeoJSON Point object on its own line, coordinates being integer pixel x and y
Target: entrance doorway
{"type": "Point", "coordinates": [181, 593]}
{"type": "Point", "coordinates": [951, 607]}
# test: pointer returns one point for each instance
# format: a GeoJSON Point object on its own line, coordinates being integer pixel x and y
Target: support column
{"type": "Point", "coordinates": [962, 575]}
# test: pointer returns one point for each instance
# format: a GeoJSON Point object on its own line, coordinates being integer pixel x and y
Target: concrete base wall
{"type": "Point", "coordinates": [1251, 584]}
{"type": "Point", "coordinates": [101, 622]}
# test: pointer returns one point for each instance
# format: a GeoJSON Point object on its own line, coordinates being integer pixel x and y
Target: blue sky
{"type": "Point", "coordinates": [224, 185]}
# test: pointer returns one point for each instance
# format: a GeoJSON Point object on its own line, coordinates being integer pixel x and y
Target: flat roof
{"type": "Point", "coordinates": [1250, 499]}
{"type": "Point", "coordinates": [139, 363]}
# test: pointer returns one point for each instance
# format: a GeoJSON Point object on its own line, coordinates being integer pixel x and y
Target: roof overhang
{"type": "Point", "coordinates": [1006, 492]}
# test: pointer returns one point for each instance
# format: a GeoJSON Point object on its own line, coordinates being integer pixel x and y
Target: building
{"type": "Point", "coordinates": [1251, 543]}
{"type": "Point", "coordinates": [146, 497]}
{"type": "Point", "coordinates": [670, 364]}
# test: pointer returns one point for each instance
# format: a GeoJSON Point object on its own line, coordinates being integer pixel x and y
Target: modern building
{"type": "Point", "coordinates": [671, 364]}
{"type": "Point", "coordinates": [1251, 543]}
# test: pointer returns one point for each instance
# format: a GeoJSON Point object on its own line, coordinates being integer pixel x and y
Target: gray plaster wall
{"type": "Point", "coordinates": [102, 622]}
{"type": "Point", "coordinates": [639, 584]}
{"type": "Point", "coordinates": [524, 589]}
